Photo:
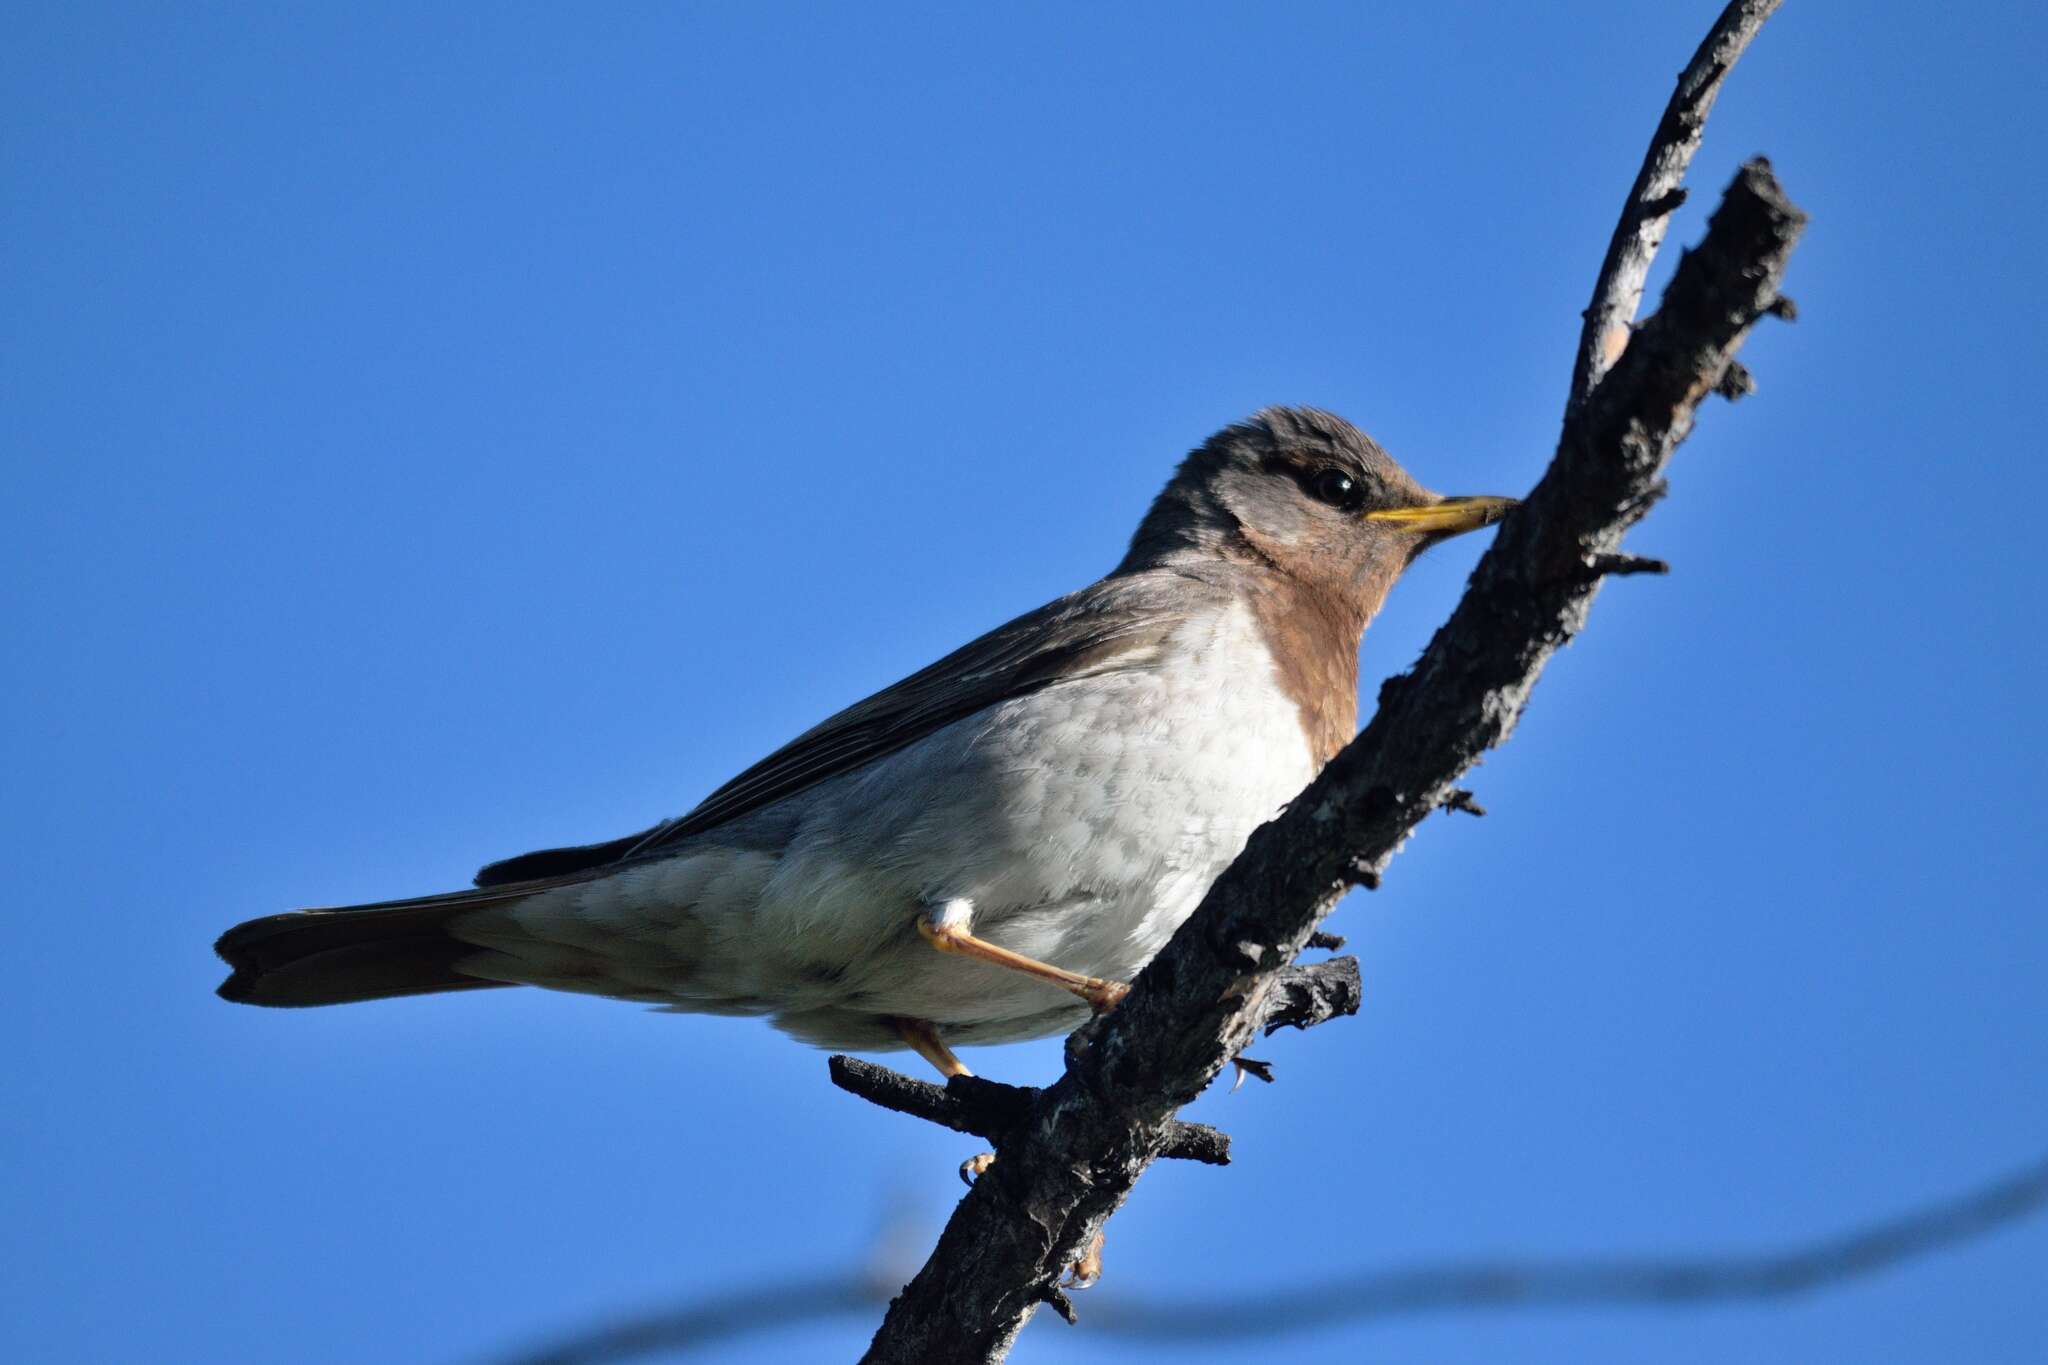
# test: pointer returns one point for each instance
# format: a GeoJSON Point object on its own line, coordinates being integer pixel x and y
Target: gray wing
{"type": "Point", "coordinates": [1117, 624]}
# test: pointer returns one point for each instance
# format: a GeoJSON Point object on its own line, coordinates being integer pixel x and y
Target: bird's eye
{"type": "Point", "coordinates": [1338, 489]}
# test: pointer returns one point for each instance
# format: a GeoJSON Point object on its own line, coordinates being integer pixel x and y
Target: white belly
{"type": "Point", "coordinates": [1084, 822]}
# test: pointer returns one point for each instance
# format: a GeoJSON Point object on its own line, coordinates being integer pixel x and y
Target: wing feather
{"type": "Point", "coordinates": [1117, 624]}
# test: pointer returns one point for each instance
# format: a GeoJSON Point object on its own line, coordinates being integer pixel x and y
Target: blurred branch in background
{"type": "Point", "coordinates": [1617, 1283]}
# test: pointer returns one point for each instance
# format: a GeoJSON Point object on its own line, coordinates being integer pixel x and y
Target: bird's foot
{"type": "Point", "coordinates": [1087, 1268]}
{"type": "Point", "coordinates": [974, 1167]}
{"type": "Point", "coordinates": [1102, 996]}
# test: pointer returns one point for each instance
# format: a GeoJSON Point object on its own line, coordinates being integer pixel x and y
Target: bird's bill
{"type": "Point", "coordinates": [1447, 517]}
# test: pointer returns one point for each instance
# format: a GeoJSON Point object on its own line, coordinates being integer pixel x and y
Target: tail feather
{"type": "Point", "coordinates": [360, 952]}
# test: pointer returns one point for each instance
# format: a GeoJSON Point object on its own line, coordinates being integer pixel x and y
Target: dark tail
{"type": "Point", "coordinates": [359, 952]}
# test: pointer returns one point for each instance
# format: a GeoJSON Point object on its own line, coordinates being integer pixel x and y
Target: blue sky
{"type": "Point", "coordinates": [435, 434]}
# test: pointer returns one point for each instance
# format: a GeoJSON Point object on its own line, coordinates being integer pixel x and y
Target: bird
{"type": "Point", "coordinates": [990, 849]}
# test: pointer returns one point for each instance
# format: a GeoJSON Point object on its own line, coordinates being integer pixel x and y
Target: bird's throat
{"type": "Point", "coordinates": [1313, 637]}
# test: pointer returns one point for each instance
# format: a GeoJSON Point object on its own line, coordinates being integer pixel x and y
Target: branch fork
{"type": "Point", "coordinates": [1072, 1151]}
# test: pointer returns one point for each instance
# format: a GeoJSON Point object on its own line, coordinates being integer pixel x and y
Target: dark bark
{"type": "Point", "coordinates": [1304, 996]}
{"type": "Point", "coordinates": [1070, 1160]}
{"type": "Point", "coordinates": [990, 1109]}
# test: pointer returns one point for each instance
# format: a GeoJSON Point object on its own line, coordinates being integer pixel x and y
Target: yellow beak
{"type": "Point", "coordinates": [1447, 517]}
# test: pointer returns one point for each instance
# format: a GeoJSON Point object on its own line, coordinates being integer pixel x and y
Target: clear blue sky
{"type": "Point", "coordinates": [430, 434]}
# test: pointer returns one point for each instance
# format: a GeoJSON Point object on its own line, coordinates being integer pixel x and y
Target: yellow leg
{"type": "Point", "coordinates": [947, 932]}
{"type": "Point", "coordinates": [924, 1040]}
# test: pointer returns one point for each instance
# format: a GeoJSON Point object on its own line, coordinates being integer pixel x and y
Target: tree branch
{"type": "Point", "coordinates": [1072, 1159]}
{"type": "Point", "coordinates": [989, 1109]}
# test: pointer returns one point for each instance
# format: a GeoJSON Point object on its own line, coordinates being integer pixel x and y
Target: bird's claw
{"type": "Point", "coordinates": [1086, 1270]}
{"type": "Point", "coordinates": [1104, 996]}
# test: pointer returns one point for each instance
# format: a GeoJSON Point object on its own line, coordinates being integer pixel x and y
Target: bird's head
{"type": "Point", "coordinates": [1304, 493]}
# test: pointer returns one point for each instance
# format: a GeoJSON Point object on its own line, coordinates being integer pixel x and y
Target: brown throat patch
{"type": "Point", "coordinates": [1312, 633]}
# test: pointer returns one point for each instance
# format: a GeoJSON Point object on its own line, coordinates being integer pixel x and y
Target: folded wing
{"type": "Point", "coordinates": [1118, 623]}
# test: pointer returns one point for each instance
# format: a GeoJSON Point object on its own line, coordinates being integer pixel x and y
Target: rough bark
{"type": "Point", "coordinates": [1070, 1158]}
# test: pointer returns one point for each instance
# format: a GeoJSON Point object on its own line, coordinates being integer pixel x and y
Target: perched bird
{"type": "Point", "coordinates": [988, 849]}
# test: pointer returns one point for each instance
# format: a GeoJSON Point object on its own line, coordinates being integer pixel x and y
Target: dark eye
{"type": "Point", "coordinates": [1338, 489]}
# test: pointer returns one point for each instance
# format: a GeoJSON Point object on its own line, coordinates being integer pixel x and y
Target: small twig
{"type": "Point", "coordinates": [989, 1109]}
{"type": "Point", "coordinates": [1308, 994]}
{"type": "Point", "coordinates": [1622, 565]}
{"type": "Point", "coordinates": [1253, 1067]}
{"type": "Point", "coordinates": [1056, 1298]}
{"type": "Point", "coordinates": [1328, 942]}
{"type": "Point", "coordinates": [1736, 381]}
{"type": "Point", "coordinates": [1666, 203]}
{"type": "Point", "coordinates": [1457, 798]}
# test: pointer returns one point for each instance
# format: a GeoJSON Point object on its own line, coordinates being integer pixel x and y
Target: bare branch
{"type": "Point", "coordinates": [1304, 996]}
{"type": "Point", "coordinates": [1618, 291]}
{"type": "Point", "coordinates": [1670, 1282]}
{"type": "Point", "coordinates": [1618, 565]}
{"type": "Point", "coordinates": [1072, 1158]}
{"type": "Point", "coordinates": [1072, 1161]}
{"type": "Point", "coordinates": [1457, 798]}
{"type": "Point", "coordinates": [988, 1109]}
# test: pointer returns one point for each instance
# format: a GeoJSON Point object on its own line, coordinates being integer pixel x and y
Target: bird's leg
{"type": "Point", "coordinates": [944, 926]}
{"type": "Point", "coordinates": [923, 1038]}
